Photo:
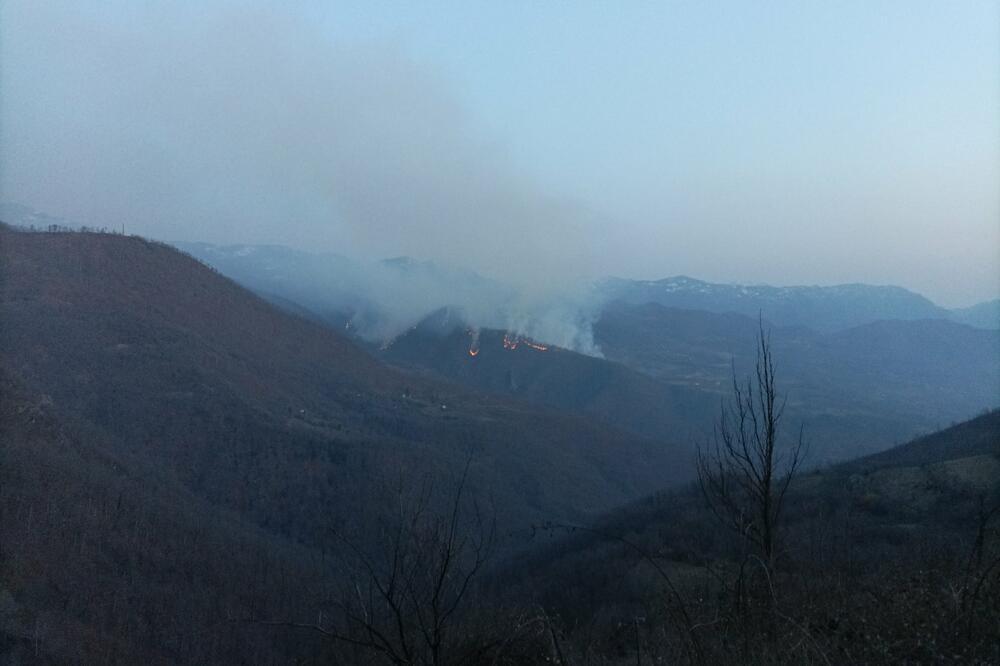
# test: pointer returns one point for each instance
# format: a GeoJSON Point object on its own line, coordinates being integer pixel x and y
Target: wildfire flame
{"type": "Point", "coordinates": [474, 345]}
{"type": "Point", "coordinates": [512, 340]}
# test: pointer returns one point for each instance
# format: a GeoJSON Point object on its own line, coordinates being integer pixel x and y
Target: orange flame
{"type": "Point", "coordinates": [474, 345]}
{"type": "Point", "coordinates": [512, 340]}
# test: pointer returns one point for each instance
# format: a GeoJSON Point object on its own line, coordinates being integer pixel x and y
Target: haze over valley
{"type": "Point", "coordinates": [451, 334]}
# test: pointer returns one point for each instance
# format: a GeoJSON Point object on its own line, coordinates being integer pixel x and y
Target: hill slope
{"type": "Point", "coordinates": [175, 454]}
{"type": "Point", "coordinates": [942, 471]}
{"type": "Point", "coordinates": [666, 369]}
{"type": "Point", "coordinates": [262, 411]}
{"type": "Point", "coordinates": [882, 560]}
{"type": "Point", "coordinates": [546, 375]}
{"type": "Point", "coordinates": [897, 377]}
{"type": "Point", "coordinates": [108, 560]}
{"type": "Point", "coordinates": [858, 390]}
{"type": "Point", "coordinates": [980, 315]}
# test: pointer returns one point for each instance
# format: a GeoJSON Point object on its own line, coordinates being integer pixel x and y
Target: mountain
{"type": "Point", "coordinates": [180, 459]}
{"type": "Point", "coordinates": [29, 218]}
{"type": "Point", "coordinates": [338, 289]}
{"type": "Point", "coordinates": [107, 558]}
{"type": "Point", "coordinates": [885, 559]}
{"type": "Point", "coordinates": [403, 290]}
{"type": "Point", "coordinates": [282, 273]}
{"type": "Point", "coordinates": [186, 450]}
{"type": "Point", "coordinates": [856, 389]}
{"type": "Point", "coordinates": [378, 300]}
{"type": "Point", "coordinates": [958, 460]}
{"type": "Point", "coordinates": [926, 373]}
{"type": "Point", "coordinates": [511, 365]}
{"type": "Point", "coordinates": [665, 371]}
{"type": "Point", "coordinates": [981, 315]}
{"type": "Point", "coordinates": [821, 308]}
{"type": "Point", "coordinates": [968, 440]}
{"type": "Point", "coordinates": [142, 343]}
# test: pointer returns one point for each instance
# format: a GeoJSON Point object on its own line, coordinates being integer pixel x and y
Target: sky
{"type": "Point", "coordinates": [761, 142]}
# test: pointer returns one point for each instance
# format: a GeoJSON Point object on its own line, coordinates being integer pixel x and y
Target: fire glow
{"type": "Point", "coordinates": [511, 341]}
{"type": "Point", "coordinates": [474, 345]}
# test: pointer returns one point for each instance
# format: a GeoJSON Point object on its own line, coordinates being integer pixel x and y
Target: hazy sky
{"type": "Point", "coordinates": [742, 141]}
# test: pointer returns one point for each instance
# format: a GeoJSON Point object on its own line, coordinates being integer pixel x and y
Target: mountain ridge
{"type": "Point", "coordinates": [164, 356]}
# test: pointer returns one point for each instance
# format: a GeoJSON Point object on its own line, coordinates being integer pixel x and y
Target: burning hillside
{"type": "Point", "coordinates": [511, 341]}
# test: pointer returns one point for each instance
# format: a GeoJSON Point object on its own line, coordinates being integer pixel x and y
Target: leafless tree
{"type": "Point", "coordinates": [744, 473]}
{"type": "Point", "coordinates": [407, 590]}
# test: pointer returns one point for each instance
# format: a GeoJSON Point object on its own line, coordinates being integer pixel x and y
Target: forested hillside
{"type": "Point", "coordinates": [887, 559]}
{"type": "Point", "coordinates": [187, 449]}
{"type": "Point", "coordinates": [174, 362]}
{"type": "Point", "coordinates": [190, 474]}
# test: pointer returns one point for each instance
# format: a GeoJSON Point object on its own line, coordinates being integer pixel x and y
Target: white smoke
{"type": "Point", "coordinates": [380, 301]}
{"type": "Point", "coordinates": [245, 122]}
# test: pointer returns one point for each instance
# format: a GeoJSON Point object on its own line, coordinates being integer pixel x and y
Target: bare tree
{"type": "Point", "coordinates": [744, 473]}
{"type": "Point", "coordinates": [409, 581]}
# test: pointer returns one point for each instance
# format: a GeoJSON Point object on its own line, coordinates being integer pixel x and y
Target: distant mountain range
{"type": "Point", "coordinates": [981, 315]}
{"type": "Point", "coordinates": [196, 339]}
{"type": "Point", "coordinates": [299, 276]}
{"type": "Point", "coordinates": [936, 368]}
{"type": "Point", "coordinates": [819, 308]}
{"type": "Point", "coordinates": [905, 367]}
{"type": "Point", "coordinates": [390, 296]}
{"type": "Point", "coordinates": [181, 457]}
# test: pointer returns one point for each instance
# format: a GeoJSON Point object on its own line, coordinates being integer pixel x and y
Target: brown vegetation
{"type": "Point", "coordinates": [188, 475]}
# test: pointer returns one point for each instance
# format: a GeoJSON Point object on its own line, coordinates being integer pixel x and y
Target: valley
{"type": "Point", "coordinates": [176, 419]}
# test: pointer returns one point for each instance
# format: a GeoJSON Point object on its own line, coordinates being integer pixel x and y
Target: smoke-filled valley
{"type": "Point", "coordinates": [282, 412]}
{"type": "Point", "coordinates": [454, 334]}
